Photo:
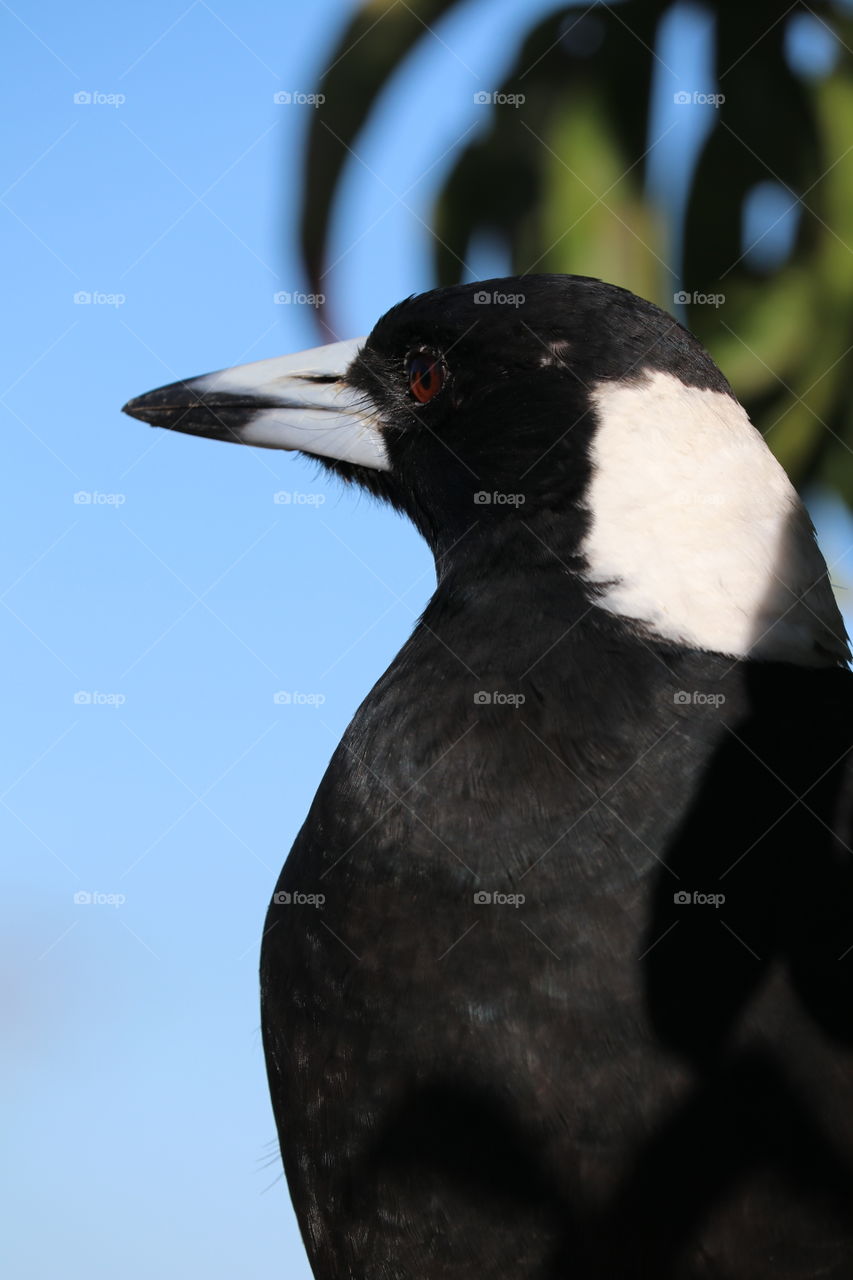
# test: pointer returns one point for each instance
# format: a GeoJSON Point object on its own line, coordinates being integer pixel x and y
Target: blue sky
{"type": "Point", "coordinates": [157, 597]}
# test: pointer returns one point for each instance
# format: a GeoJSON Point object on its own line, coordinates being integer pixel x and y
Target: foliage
{"type": "Point", "coordinates": [563, 182]}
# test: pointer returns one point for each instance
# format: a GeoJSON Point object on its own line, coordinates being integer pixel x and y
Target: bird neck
{"type": "Point", "coordinates": [531, 551]}
{"type": "Point", "coordinates": [495, 613]}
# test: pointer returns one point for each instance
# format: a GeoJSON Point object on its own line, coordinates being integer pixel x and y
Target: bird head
{"type": "Point", "coordinates": [558, 420]}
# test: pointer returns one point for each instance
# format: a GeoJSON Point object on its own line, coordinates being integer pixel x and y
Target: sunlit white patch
{"type": "Point", "coordinates": [696, 532]}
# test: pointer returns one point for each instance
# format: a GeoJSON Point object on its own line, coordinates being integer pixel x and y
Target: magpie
{"type": "Point", "coordinates": [557, 979]}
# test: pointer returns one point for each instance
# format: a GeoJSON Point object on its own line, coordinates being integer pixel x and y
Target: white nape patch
{"type": "Point", "coordinates": [327, 419]}
{"type": "Point", "coordinates": [696, 531]}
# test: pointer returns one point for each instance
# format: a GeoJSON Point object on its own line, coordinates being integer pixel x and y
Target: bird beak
{"type": "Point", "coordinates": [299, 401]}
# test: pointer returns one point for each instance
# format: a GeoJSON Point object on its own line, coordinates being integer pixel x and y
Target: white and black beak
{"type": "Point", "coordinates": [301, 402]}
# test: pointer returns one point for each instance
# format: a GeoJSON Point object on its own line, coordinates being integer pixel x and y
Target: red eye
{"type": "Point", "coordinates": [426, 374]}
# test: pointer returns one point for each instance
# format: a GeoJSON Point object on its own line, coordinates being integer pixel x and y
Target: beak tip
{"type": "Point", "coordinates": [140, 408]}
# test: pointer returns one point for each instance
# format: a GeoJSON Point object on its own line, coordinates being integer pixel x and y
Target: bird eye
{"type": "Point", "coordinates": [426, 374]}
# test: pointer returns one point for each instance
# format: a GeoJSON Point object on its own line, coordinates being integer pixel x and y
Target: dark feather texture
{"type": "Point", "coordinates": [585, 1076]}
{"type": "Point", "coordinates": [600, 1081]}
{"type": "Point", "coordinates": [558, 977]}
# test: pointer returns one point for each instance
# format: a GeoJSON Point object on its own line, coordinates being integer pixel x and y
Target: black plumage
{"type": "Point", "coordinates": [585, 1076]}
